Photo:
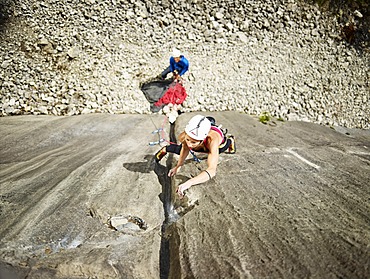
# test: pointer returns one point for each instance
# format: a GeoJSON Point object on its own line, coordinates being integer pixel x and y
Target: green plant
{"type": "Point", "coordinates": [265, 117]}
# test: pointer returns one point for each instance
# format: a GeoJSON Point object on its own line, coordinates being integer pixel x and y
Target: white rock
{"type": "Point", "coordinates": [43, 110]}
{"type": "Point", "coordinates": [74, 52]}
{"type": "Point", "coordinates": [219, 15]}
{"type": "Point", "coordinates": [356, 13]}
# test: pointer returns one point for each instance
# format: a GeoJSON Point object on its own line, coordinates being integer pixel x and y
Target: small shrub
{"type": "Point", "coordinates": [265, 117]}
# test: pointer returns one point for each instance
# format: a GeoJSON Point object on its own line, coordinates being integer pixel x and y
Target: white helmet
{"type": "Point", "coordinates": [198, 127]}
{"type": "Point", "coordinates": [176, 53]}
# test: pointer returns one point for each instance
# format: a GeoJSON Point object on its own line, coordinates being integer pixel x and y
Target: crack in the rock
{"type": "Point", "coordinates": [166, 249]}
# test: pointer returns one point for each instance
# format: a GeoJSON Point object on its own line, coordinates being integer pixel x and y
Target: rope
{"type": "Point", "coordinates": [195, 158]}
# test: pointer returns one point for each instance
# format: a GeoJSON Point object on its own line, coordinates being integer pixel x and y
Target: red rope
{"type": "Point", "coordinates": [162, 131]}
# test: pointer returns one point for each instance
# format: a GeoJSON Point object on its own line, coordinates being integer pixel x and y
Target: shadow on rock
{"type": "Point", "coordinates": [161, 172]}
{"type": "Point", "coordinates": [142, 167]}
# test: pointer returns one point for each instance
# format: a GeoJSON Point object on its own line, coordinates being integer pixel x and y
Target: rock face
{"type": "Point", "coordinates": [65, 191]}
{"type": "Point", "coordinates": [295, 60]}
{"type": "Point", "coordinates": [289, 204]}
{"type": "Point", "coordinates": [81, 197]}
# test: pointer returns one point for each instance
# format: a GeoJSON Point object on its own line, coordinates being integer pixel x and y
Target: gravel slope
{"type": "Point", "coordinates": [283, 57]}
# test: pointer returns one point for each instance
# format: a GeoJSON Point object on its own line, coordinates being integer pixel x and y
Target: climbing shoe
{"type": "Point", "coordinates": [160, 154]}
{"type": "Point", "coordinates": [232, 146]}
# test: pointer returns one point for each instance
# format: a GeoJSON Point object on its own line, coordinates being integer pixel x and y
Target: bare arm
{"type": "Point", "coordinates": [183, 154]}
{"type": "Point", "coordinates": [206, 175]}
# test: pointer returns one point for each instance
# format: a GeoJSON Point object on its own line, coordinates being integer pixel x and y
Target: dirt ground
{"type": "Point", "coordinates": [293, 202]}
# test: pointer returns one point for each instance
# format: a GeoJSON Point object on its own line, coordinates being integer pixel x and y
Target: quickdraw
{"type": "Point", "coordinates": [161, 139]}
{"type": "Point", "coordinates": [157, 131]}
{"type": "Point", "coordinates": [152, 143]}
{"type": "Point", "coordinates": [161, 133]}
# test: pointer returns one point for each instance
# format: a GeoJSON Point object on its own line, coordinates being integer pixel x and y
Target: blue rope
{"type": "Point", "coordinates": [195, 158]}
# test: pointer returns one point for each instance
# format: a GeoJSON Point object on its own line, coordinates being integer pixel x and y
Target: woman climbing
{"type": "Point", "coordinates": [200, 135]}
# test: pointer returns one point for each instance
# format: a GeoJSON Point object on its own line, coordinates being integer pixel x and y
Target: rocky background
{"type": "Point", "coordinates": [293, 60]}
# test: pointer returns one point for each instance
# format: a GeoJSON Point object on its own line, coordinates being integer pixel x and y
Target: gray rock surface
{"type": "Point", "coordinates": [80, 194]}
{"type": "Point", "coordinates": [283, 57]}
{"type": "Point", "coordinates": [292, 203]}
{"type": "Point", "coordinates": [63, 186]}
{"type": "Point", "coordinates": [81, 197]}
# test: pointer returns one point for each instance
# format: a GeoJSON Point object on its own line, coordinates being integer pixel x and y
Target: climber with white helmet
{"type": "Point", "coordinates": [201, 135]}
{"type": "Point", "coordinates": [179, 65]}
